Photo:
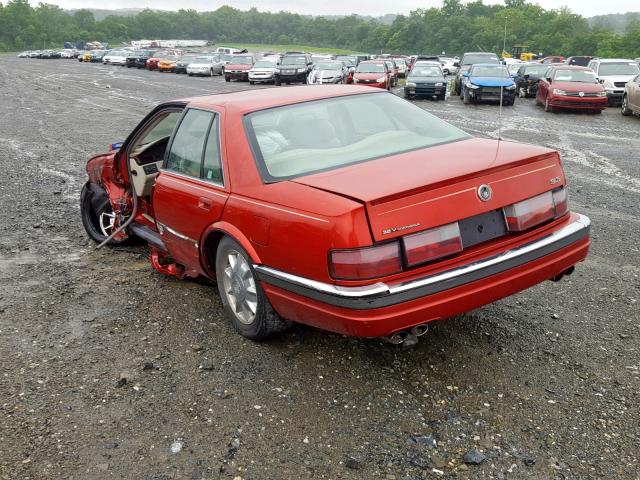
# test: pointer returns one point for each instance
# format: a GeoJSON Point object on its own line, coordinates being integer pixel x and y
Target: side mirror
{"type": "Point", "coordinates": [600, 80]}
{"type": "Point", "coordinates": [548, 79]}
{"type": "Point", "coordinates": [526, 75]}
{"type": "Point", "coordinates": [456, 64]}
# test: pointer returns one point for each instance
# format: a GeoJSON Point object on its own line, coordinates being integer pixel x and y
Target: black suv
{"type": "Point", "coordinates": [468, 59]}
{"type": "Point", "coordinates": [294, 68]}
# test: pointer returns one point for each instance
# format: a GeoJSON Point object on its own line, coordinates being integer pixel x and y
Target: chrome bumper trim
{"type": "Point", "coordinates": [381, 294]}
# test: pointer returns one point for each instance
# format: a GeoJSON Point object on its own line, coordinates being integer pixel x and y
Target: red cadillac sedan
{"type": "Point", "coordinates": [571, 87]}
{"type": "Point", "coordinates": [373, 73]}
{"type": "Point", "coordinates": [342, 207]}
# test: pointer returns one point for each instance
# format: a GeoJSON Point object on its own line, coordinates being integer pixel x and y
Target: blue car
{"type": "Point", "coordinates": [487, 81]}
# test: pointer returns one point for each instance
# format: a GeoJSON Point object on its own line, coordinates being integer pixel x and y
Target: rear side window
{"type": "Point", "coordinates": [212, 162]}
{"type": "Point", "coordinates": [187, 148]}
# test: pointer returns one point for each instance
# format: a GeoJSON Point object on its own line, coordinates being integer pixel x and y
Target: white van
{"type": "Point", "coordinates": [230, 50]}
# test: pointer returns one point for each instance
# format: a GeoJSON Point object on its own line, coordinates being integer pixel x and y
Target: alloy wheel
{"type": "Point", "coordinates": [107, 221]}
{"type": "Point", "coordinates": [240, 287]}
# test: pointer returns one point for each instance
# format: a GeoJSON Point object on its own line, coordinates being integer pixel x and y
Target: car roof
{"type": "Point", "coordinates": [487, 65]}
{"type": "Point", "coordinates": [481, 53]}
{"type": "Point", "coordinates": [571, 67]}
{"type": "Point", "coordinates": [606, 60]}
{"type": "Point", "coordinates": [246, 101]}
{"type": "Point", "coordinates": [373, 61]}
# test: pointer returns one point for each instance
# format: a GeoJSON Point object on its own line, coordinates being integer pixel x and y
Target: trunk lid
{"type": "Point", "coordinates": [417, 190]}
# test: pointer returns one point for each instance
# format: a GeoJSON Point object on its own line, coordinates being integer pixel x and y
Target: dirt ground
{"type": "Point", "coordinates": [111, 370]}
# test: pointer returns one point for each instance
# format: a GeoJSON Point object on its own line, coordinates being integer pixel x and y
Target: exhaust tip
{"type": "Point", "coordinates": [397, 338]}
{"type": "Point", "coordinates": [420, 330]}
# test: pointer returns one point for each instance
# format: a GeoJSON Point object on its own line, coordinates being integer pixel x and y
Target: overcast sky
{"type": "Point", "coordinates": [339, 7]}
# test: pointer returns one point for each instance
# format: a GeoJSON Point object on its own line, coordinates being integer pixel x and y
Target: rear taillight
{"type": "Point", "coordinates": [432, 244]}
{"type": "Point", "coordinates": [536, 210]}
{"type": "Point", "coordinates": [560, 201]}
{"type": "Point", "coordinates": [366, 263]}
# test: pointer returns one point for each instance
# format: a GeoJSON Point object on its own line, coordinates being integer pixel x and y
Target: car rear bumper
{"type": "Point", "coordinates": [380, 309]}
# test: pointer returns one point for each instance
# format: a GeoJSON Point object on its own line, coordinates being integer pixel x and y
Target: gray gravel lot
{"type": "Point", "coordinates": [111, 370]}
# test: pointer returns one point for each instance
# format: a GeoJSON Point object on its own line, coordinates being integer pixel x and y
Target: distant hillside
{"type": "Point", "coordinates": [385, 19]}
{"type": "Point", "coordinates": [615, 21]}
{"type": "Point", "coordinates": [100, 14]}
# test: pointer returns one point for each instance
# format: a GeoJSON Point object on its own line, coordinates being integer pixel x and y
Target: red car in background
{"type": "Point", "coordinates": [571, 87]}
{"type": "Point", "coordinates": [238, 68]}
{"type": "Point", "coordinates": [341, 207]}
{"type": "Point", "coordinates": [373, 73]}
{"type": "Point", "coordinates": [393, 71]}
{"type": "Point", "coordinates": [552, 59]}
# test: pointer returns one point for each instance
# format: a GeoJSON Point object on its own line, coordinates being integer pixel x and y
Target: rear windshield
{"type": "Point", "coordinates": [621, 68]}
{"type": "Point", "coordinates": [200, 59]}
{"type": "Point", "coordinates": [319, 135]}
{"type": "Point", "coordinates": [370, 68]}
{"type": "Point", "coordinates": [471, 59]}
{"type": "Point", "coordinates": [584, 76]}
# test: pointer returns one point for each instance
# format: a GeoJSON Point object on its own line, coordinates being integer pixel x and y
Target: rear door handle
{"type": "Point", "coordinates": [204, 203]}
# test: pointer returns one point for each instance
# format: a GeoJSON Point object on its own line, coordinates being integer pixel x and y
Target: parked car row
{"type": "Point", "coordinates": [577, 83]}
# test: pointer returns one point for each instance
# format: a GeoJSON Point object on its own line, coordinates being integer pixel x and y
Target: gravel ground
{"type": "Point", "coordinates": [111, 370]}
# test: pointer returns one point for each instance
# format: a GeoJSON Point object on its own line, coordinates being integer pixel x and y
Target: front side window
{"type": "Point", "coordinates": [187, 148]}
{"type": "Point", "coordinates": [319, 135]}
{"type": "Point", "coordinates": [161, 129]}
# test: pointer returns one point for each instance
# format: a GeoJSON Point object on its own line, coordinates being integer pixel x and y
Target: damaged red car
{"type": "Point", "coordinates": [346, 208]}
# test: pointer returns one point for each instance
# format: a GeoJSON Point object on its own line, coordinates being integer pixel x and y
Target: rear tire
{"type": "Point", "coordinates": [624, 108]}
{"type": "Point", "coordinates": [244, 301]}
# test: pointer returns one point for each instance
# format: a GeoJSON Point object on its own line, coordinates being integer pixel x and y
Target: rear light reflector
{"type": "Point", "coordinates": [432, 244]}
{"type": "Point", "coordinates": [365, 263]}
{"type": "Point", "coordinates": [536, 210]}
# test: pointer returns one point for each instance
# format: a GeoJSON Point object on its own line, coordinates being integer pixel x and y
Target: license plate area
{"type": "Point", "coordinates": [482, 228]}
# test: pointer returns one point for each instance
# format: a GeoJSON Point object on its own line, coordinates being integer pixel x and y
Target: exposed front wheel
{"type": "Point", "coordinates": [98, 217]}
{"type": "Point", "coordinates": [227, 78]}
{"type": "Point", "coordinates": [547, 106]}
{"type": "Point", "coordinates": [466, 98]}
{"type": "Point", "coordinates": [245, 303]}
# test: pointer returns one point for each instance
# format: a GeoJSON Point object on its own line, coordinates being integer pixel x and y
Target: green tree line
{"type": "Point", "coordinates": [455, 27]}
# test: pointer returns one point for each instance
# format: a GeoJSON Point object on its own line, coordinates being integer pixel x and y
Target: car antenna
{"type": "Point", "coordinates": [504, 46]}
